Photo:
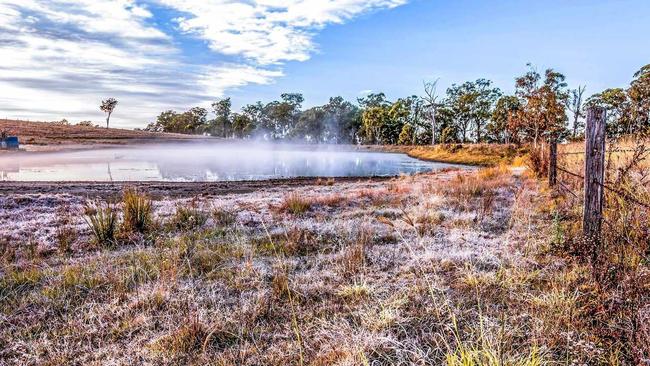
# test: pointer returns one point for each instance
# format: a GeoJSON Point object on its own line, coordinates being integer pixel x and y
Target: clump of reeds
{"type": "Point", "coordinates": [103, 222]}
{"type": "Point", "coordinates": [138, 213]}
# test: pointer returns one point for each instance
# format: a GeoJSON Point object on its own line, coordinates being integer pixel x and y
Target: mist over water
{"type": "Point", "coordinates": [205, 163]}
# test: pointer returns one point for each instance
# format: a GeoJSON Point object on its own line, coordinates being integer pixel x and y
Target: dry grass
{"type": "Point", "coordinates": [616, 266]}
{"type": "Point", "coordinates": [103, 222]}
{"type": "Point", "coordinates": [324, 285]}
{"type": "Point", "coordinates": [295, 204]}
{"type": "Point", "coordinates": [189, 216]}
{"type": "Point", "coordinates": [137, 211]}
{"type": "Point", "coordinates": [470, 154]}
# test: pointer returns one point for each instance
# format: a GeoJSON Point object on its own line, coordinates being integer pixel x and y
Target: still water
{"type": "Point", "coordinates": [205, 163]}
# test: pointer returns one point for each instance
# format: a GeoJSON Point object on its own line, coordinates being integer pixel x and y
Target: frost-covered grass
{"type": "Point", "coordinates": [430, 269]}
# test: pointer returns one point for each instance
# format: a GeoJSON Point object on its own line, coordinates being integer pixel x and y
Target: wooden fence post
{"type": "Point", "coordinates": [594, 175]}
{"type": "Point", "coordinates": [552, 161]}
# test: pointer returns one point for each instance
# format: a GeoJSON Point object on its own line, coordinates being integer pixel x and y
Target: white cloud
{"type": "Point", "coordinates": [267, 31]}
{"type": "Point", "coordinates": [60, 57]}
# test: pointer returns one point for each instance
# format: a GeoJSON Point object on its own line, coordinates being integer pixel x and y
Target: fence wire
{"type": "Point", "coordinates": [625, 195]}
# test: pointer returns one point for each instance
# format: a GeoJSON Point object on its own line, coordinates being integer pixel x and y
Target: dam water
{"type": "Point", "coordinates": [206, 163]}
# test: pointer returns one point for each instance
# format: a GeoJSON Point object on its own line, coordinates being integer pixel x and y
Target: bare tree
{"type": "Point", "coordinates": [430, 105]}
{"type": "Point", "coordinates": [574, 104]}
{"type": "Point", "coordinates": [108, 106]}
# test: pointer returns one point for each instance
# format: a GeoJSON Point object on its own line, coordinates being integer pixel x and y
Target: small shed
{"type": "Point", "coordinates": [9, 143]}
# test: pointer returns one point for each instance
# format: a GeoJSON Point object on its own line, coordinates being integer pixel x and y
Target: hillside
{"type": "Point", "coordinates": [51, 133]}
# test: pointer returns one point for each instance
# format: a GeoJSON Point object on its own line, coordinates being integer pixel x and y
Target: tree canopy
{"type": "Point", "coordinates": [473, 111]}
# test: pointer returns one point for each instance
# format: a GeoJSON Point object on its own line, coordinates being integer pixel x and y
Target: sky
{"type": "Point", "coordinates": [60, 58]}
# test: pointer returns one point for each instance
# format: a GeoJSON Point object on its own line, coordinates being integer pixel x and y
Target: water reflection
{"type": "Point", "coordinates": [204, 163]}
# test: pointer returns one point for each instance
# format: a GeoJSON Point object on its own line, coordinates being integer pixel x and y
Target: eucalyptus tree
{"type": "Point", "coordinates": [221, 125]}
{"type": "Point", "coordinates": [639, 94]}
{"type": "Point", "coordinates": [543, 109]}
{"type": "Point", "coordinates": [431, 104]}
{"type": "Point", "coordinates": [505, 110]}
{"type": "Point", "coordinates": [108, 106]}
{"type": "Point", "coordinates": [618, 106]}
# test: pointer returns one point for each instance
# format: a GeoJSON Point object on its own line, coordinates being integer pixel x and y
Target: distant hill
{"type": "Point", "coordinates": [55, 133]}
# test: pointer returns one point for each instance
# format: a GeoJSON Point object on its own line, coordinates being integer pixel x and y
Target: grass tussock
{"type": "Point", "coordinates": [295, 204]}
{"type": "Point", "coordinates": [102, 219]}
{"type": "Point", "coordinates": [138, 212]}
{"type": "Point", "coordinates": [189, 216]}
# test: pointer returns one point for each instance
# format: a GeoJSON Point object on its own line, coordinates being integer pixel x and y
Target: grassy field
{"type": "Point", "coordinates": [470, 154]}
{"type": "Point", "coordinates": [48, 133]}
{"type": "Point", "coordinates": [482, 267]}
{"type": "Point", "coordinates": [456, 268]}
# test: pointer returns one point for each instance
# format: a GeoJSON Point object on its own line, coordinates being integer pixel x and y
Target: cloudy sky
{"type": "Point", "coordinates": [59, 58]}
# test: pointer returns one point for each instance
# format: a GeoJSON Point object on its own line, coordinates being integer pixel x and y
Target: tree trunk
{"type": "Point", "coordinates": [433, 127]}
{"type": "Point", "coordinates": [107, 119]}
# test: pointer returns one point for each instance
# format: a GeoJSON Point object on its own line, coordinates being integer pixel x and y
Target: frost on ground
{"type": "Point", "coordinates": [422, 270]}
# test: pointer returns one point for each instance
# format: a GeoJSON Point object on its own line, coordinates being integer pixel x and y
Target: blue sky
{"type": "Point", "coordinates": [60, 58]}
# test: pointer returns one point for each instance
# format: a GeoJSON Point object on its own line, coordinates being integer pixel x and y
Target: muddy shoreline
{"type": "Point", "coordinates": [159, 190]}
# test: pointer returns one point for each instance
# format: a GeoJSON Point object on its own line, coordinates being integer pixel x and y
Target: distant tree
{"type": "Point", "coordinates": [279, 117]}
{"type": "Point", "coordinates": [639, 94]}
{"type": "Point", "coordinates": [575, 105]}
{"type": "Point", "coordinates": [431, 104]}
{"type": "Point", "coordinates": [255, 119]}
{"type": "Point", "coordinates": [618, 106]}
{"type": "Point", "coordinates": [193, 121]}
{"type": "Point", "coordinates": [310, 126]}
{"type": "Point", "coordinates": [407, 135]}
{"type": "Point", "coordinates": [222, 123]}
{"type": "Point", "coordinates": [373, 100]}
{"type": "Point", "coordinates": [242, 125]}
{"type": "Point", "coordinates": [543, 109]}
{"type": "Point", "coordinates": [374, 117]}
{"type": "Point", "coordinates": [374, 120]}
{"type": "Point", "coordinates": [342, 121]}
{"type": "Point", "coordinates": [108, 106]}
{"type": "Point", "coordinates": [471, 103]}
{"type": "Point", "coordinates": [498, 129]}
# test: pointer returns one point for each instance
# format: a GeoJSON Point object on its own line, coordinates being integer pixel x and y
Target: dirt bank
{"type": "Point", "coordinates": [35, 135]}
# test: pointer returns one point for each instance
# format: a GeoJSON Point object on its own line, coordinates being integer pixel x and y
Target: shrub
{"type": "Point", "coordinates": [137, 211]}
{"type": "Point", "coordinates": [102, 221]}
{"type": "Point", "coordinates": [538, 161]}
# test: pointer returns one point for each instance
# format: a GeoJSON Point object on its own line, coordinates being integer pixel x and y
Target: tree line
{"type": "Point", "coordinates": [474, 111]}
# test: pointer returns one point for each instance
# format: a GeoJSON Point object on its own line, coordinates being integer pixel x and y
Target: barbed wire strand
{"type": "Point", "coordinates": [623, 194]}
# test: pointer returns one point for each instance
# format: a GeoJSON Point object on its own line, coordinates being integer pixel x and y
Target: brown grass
{"type": "Point", "coordinates": [470, 154]}
{"type": "Point", "coordinates": [329, 288]}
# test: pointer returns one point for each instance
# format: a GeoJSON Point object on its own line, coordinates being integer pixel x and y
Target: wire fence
{"type": "Point", "coordinates": [629, 197]}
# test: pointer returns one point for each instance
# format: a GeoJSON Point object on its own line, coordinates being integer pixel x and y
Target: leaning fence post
{"type": "Point", "coordinates": [594, 175]}
{"type": "Point", "coordinates": [552, 161]}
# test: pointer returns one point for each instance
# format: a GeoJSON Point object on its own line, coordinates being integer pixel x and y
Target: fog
{"type": "Point", "coordinates": [206, 163]}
